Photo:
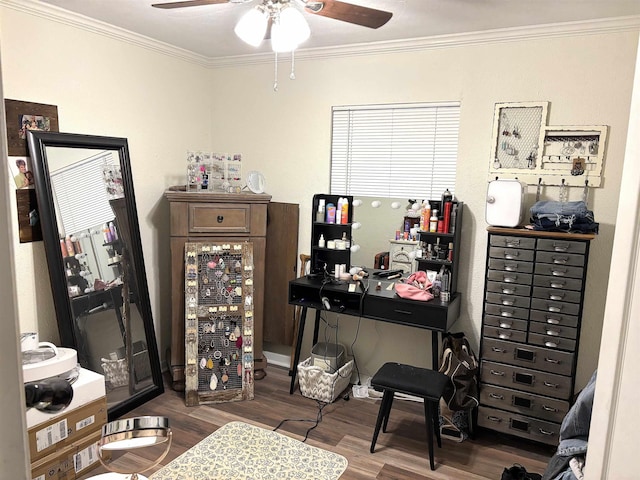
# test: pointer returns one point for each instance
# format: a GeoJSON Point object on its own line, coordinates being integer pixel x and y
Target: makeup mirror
{"type": "Point", "coordinates": [92, 242]}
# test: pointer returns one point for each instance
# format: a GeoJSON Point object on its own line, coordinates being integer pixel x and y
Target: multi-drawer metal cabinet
{"type": "Point", "coordinates": [534, 290]}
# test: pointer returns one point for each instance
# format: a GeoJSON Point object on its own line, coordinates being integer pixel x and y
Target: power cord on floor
{"type": "Point", "coordinates": [317, 421]}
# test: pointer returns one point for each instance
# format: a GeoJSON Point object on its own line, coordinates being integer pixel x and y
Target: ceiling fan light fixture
{"type": "Point", "coordinates": [289, 30]}
{"type": "Point", "coordinates": [252, 26]}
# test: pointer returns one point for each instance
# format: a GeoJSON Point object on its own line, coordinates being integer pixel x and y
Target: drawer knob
{"type": "Point", "coordinates": [550, 344]}
{"type": "Point", "coordinates": [560, 260]}
{"type": "Point", "coordinates": [558, 272]}
{"type": "Point", "coordinates": [496, 396]}
{"type": "Point", "coordinates": [553, 333]}
{"type": "Point", "coordinates": [504, 335]}
{"type": "Point", "coordinates": [496, 373]}
{"type": "Point", "coordinates": [507, 301]}
{"type": "Point", "coordinates": [552, 360]}
{"type": "Point", "coordinates": [553, 321]}
{"type": "Point", "coordinates": [506, 313]}
{"type": "Point", "coordinates": [560, 247]}
{"type": "Point", "coordinates": [498, 350]}
{"type": "Point", "coordinates": [220, 218]}
{"type": "Point", "coordinates": [509, 279]}
{"type": "Point", "coordinates": [505, 325]}
{"type": "Point", "coordinates": [511, 268]}
{"type": "Point", "coordinates": [557, 284]}
{"type": "Point", "coordinates": [508, 291]}
{"type": "Point", "coordinates": [512, 243]}
{"type": "Point", "coordinates": [555, 296]}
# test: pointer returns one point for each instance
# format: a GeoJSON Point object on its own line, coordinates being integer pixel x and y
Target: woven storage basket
{"type": "Point", "coordinates": [320, 385]}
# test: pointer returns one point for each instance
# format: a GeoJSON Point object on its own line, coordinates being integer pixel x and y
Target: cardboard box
{"type": "Point", "coordinates": [88, 387]}
{"type": "Point", "coordinates": [69, 463]}
{"type": "Point", "coordinates": [64, 430]}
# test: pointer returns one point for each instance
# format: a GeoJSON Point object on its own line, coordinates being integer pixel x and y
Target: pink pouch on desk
{"type": "Point", "coordinates": [416, 287]}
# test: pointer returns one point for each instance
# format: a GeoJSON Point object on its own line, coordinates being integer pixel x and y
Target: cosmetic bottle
{"type": "Point", "coordinates": [321, 242]}
{"type": "Point", "coordinates": [433, 222]}
{"type": "Point", "coordinates": [331, 213]}
{"type": "Point", "coordinates": [320, 213]}
{"type": "Point", "coordinates": [70, 250]}
{"type": "Point", "coordinates": [345, 210]}
{"type": "Point", "coordinates": [339, 210]}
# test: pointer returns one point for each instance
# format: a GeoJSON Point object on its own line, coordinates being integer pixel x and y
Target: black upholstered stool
{"type": "Point", "coordinates": [420, 382]}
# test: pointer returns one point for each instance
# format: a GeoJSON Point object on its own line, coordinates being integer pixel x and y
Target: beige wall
{"type": "Point", "coordinates": [165, 106]}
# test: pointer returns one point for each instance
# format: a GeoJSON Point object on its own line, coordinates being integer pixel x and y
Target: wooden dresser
{"type": "Point", "coordinates": [534, 292]}
{"type": "Point", "coordinates": [214, 217]}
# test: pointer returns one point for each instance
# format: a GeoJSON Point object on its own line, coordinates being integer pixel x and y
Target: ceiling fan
{"type": "Point", "coordinates": [346, 12]}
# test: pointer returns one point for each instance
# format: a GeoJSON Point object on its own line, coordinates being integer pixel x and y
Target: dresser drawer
{"type": "Point", "coordinates": [508, 300]}
{"type": "Point", "coordinates": [510, 265]}
{"type": "Point", "coordinates": [510, 277]}
{"type": "Point", "coordinates": [506, 312]}
{"type": "Point", "coordinates": [512, 242]}
{"type": "Point", "coordinates": [553, 318]}
{"type": "Point", "coordinates": [555, 307]}
{"type": "Point", "coordinates": [528, 356]}
{"type": "Point", "coordinates": [541, 383]}
{"type": "Point", "coordinates": [552, 341]}
{"type": "Point", "coordinates": [557, 294]}
{"type": "Point", "coordinates": [545, 408]}
{"type": "Point", "coordinates": [561, 246]}
{"type": "Point", "coordinates": [556, 258]}
{"type": "Point", "coordinates": [511, 254]}
{"type": "Point", "coordinates": [561, 271]}
{"type": "Point", "coordinates": [553, 330]}
{"type": "Point", "coordinates": [519, 425]}
{"type": "Point", "coordinates": [504, 333]}
{"type": "Point", "coordinates": [509, 288]}
{"type": "Point", "coordinates": [558, 282]}
{"type": "Point", "coordinates": [506, 323]}
{"type": "Point", "coordinates": [223, 218]}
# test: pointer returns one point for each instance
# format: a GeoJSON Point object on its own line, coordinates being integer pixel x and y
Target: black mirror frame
{"type": "Point", "coordinates": [38, 141]}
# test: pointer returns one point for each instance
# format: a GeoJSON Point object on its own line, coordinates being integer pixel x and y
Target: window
{"type": "Point", "coordinates": [76, 209]}
{"type": "Point", "coordinates": [395, 151]}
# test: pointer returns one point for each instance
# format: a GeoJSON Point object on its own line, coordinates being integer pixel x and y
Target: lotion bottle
{"type": "Point", "coordinates": [339, 210]}
{"type": "Point", "coordinates": [433, 222]}
{"type": "Point", "coordinates": [321, 242]}
{"type": "Point", "coordinates": [345, 210]}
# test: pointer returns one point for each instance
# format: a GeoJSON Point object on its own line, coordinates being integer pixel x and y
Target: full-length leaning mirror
{"type": "Point", "coordinates": [92, 242]}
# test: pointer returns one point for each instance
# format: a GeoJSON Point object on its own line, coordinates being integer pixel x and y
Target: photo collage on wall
{"type": "Point", "coordinates": [20, 118]}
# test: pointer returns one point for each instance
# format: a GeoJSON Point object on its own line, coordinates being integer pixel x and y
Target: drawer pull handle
{"type": "Point", "coordinates": [553, 321]}
{"type": "Point", "coordinates": [558, 273]}
{"type": "Point", "coordinates": [561, 247]}
{"type": "Point", "coordinates": [506, 325]}
{"type": "Point", "coordinates": [560, 260]}
{"type": "Point", "coordinates": [507, 301]}
{"type": "Point", "coordinates": [550, 344]}
{"type": "Point", "coordinates": [545, 432]}
{"type": "Point", "coordinates": [496, 396]}
{"type": "Point", "coordinates": [506, 313]}
{"type": "Point", "coordinates": [549, 409]}
{"type": "Point", "coordinates": [511, 255]}
{"type": "Point", "coordinates": [553, 333]}
{"type": "Point", "coordinates": [496, 373]}
{"type": "Point", "coordinates": [552, 360]}
{"type": "Point", "coordinates": [512, 243]}
{"type": "Point", "coordinates": [555, 296]}
{"type": "Point", "coordinates": [554, 308]}
{"type": "Point", "coordinates": [498, 350]}
{"type": "Point", "coordinates": [557, 284]}
{"type": "Point", "coordinates": [494, 419]}
{"type": "Point", "coordinates": [511, 267]}
{"type": "Point", "coordinates": [506, 279]}
{"type": "Point", "coordinates": [404, 312]}
{"type": "Point", "coordinates": [220, 218]}
{"type": "Point", "coordinates": [504, 335]}
{"type": "Point", "coordinates": [508, 291]}
{"type": "Point", "coordinates": [550, 385]}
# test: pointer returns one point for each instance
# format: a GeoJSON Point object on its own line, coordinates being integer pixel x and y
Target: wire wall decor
{"type": "Point", "coordinates": [218, 322]}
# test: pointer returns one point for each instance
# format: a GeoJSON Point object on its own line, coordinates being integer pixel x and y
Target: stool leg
{"type": "Point", "coordinates": [428, 416]}
{"type": "Point", "coordinates": [436, 422]}
{"type": "Point", "coordinates": [387, 411]}
{"type": "Point", "coordinates": [386, 395]}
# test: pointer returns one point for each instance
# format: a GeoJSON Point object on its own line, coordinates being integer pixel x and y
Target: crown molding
{"type": "Point", "coordinates": [566, 29]}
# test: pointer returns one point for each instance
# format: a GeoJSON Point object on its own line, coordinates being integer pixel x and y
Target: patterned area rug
{"type": "Point", "coordinates": [239, 451]}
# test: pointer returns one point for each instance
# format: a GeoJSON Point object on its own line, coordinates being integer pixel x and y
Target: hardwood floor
{"type": "Point", "coordinates": [346, 428]}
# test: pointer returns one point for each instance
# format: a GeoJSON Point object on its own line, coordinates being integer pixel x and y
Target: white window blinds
{"type": "Point", "coordinates": [80, 194]}
{"type": "Point", "coordinates": [395, 151]}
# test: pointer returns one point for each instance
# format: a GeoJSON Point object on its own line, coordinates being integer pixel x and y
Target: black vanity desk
{"type": "Point", "coordinates": [382, 305]}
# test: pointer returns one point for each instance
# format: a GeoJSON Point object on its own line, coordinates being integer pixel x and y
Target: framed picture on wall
{"type": "Point", "coordinates": [21, 117]}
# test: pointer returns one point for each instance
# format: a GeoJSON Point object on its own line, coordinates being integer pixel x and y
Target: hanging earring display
{"type": "Point", "coordinates": [219, 299]}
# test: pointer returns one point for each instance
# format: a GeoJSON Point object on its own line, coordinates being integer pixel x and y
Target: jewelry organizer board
{"type": "Point", "coordinates": [218, 322]}
{"type": "Point", "coordinates": [527, 149]}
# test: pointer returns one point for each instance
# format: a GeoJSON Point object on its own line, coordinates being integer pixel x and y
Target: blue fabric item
{"type": "Point", "coordinates": [574, 431]}
{"type": "Point", "coordinates": [559, 208]}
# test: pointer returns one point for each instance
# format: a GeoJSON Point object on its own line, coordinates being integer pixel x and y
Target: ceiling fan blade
{"type": "Point", "coordinates": [188, 3]}
{"type": "Point", "coordinates": [348, 12]}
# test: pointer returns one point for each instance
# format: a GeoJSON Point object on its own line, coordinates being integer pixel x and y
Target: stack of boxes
{"type": "Point", "coordinates": [63, 445]}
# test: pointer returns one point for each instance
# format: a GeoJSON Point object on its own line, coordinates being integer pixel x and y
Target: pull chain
{"type": "Point", "coordinates": [563, 192]}
{"type": "Point", "coordinates": [292, 75]}
{"type": "Point", "coordinates": [585, 192]}
{"type": "Point", "coordinates": [275, 74]}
